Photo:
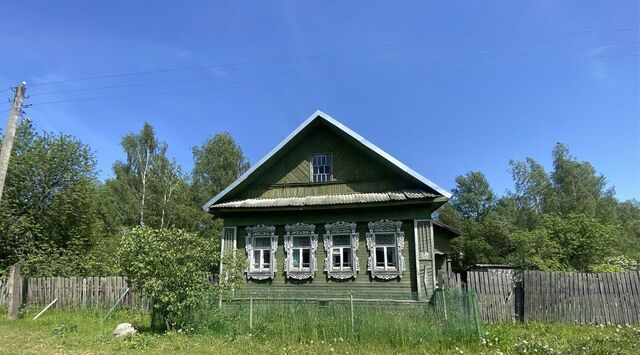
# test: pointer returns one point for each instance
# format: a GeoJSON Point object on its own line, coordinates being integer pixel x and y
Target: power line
{"type": "Point", "coordinates": [346, 67]}
{"type": "Point", "coordinates": [337, 53]}
{"type": "Point", "coordinates": [322, 79]}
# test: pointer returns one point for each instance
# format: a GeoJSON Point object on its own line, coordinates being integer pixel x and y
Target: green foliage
{"type": "Point", "coordinates": [217, 163]}
{"type": "Point", "coordinates": [575, 242]}
{"type": "Point", "coordinates": [170, 266]}
{"type": "Point", "coordinates": [472, 196]}
{"type": "Point", "coordinates": [565, 220]}
{"type": "Point", "coordinates": [48, 214]}
{"type": "Point", "coordinates": [616, 264]}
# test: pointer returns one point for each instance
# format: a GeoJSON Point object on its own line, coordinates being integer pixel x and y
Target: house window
{"type": "Point", "coordinates": [300, 244]}
{"type": "Point", "coordinates": [385, 242]}
{"type": "Point", "coordinates": [261, 254]}
{"type": "Point", "coordinates": [321, 168]}
{"type": "Point", "coordinates": [300, 254]}
{"type": "Point", "coordinates": [341, 253]}
{"type": "Point", "coordinates": [261, 245]}
{"type": "Point", "coordinates": [386, 254]}
{"type": "Point", "coordinates": [341, 245]}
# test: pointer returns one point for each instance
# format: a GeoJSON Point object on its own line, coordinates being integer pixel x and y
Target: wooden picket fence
{"type": "Point", "coordinates": [582, 298]}
{"type": "Point", "coordinates": [76, 292]}
{"type": "Point", "coordinates": [566, 297]}
{"type": "Point", "coordinates": [496, 295]}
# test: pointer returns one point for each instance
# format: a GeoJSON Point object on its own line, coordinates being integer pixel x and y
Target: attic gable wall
{"type": "Point", "coordinates": [353, 170]}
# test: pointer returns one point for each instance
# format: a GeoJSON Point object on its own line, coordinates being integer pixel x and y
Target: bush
{"type": "Point", "coordinates": [616, 264]}
{"type": "Point", "coordinates": [170, 266]}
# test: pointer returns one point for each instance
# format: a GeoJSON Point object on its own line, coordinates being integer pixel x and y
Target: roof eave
{"type": "Point", "coordinates": [424, 202]}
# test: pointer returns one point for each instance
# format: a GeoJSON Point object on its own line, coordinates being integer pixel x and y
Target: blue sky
{"type": "Point", "coordinates": [445, 87]}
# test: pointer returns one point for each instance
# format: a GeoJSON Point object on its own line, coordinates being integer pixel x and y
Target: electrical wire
{"type": "Point", "coordinates": [346, 67]}
{"type": "Point", "coordinates": [337, 53]}
{"type": "Point", "coordinates": [322, 79]}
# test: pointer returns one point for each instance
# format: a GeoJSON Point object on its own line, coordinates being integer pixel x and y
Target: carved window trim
{"type": "Point", "coordinates": [261, 231]}
{"type": "Point", "coordinates": [385, 226]}
{"type": "Point", "coordinates": [335, 229]}
{"type": "Point", "coordinates": [300, 230]}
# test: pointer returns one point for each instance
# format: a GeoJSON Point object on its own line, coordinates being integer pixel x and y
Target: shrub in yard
{"type": "Point", "coordinates": [616, 264]}
{"type": "Point", "coordinates": [170, 266]}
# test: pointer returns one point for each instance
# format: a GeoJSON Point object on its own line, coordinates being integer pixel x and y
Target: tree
{"type": "Point", "coordinates": [218, 162]}
{"type": "Point", "coordinates": [48, 215]}
{"type": "Point", "coordinates": [170, 266]}
{"type": "Point", "coordinates": [142, 152]}
{"type": "Point", "coordinates": [169, 181]}
{"type": "Point", "coordinates": [576, 187]}
{"type": "Point", "coordinates": [567, 219]}
{"type": "Point", "coordinates": [148, 188]}
{"type": "Point", "coordinates": [532, 191]}
{"type": "Point", "coordinates": [628, 214]}
{"type": "Point", "coordinates": [472, 196]}
{"type": "Point", "coordinates": [576, 242]}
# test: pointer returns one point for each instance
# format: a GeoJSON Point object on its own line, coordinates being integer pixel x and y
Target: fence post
{"type": "Point", "coordinates": [251, 312]}
{"type": "Point", "coordinates": [352, 319]}
{"type": "Point", "coordinates": [476, 314]}
{"type": "Point", "coordinates": [14, 295]}
{"type": "Point", "coordinates": [444, 303]}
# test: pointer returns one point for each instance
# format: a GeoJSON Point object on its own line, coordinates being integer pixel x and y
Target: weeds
{"type": "Point", "coordinates": [309, 327]}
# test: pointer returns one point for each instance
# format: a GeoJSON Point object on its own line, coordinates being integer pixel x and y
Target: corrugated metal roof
{"type": "Point", "coordinates": [320, 200]}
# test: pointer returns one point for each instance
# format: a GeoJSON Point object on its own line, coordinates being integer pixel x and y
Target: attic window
{"type": "Point", "coordinates": [321, 167]}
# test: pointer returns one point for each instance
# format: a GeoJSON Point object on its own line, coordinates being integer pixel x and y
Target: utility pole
{"type": "Point", "coordinates": [10, 133]}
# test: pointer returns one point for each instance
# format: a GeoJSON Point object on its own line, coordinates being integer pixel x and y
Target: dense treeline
{"type": "Point", "coordinates": [57, 218]}
{"type": "Point", "coordinates": [566, 219]}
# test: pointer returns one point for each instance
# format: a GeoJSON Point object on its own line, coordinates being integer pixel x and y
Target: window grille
{"type": "Point", "coordinates": [321, 168]}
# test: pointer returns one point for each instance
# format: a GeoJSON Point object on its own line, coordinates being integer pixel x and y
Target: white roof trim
{"type": "Point", "coordinates": [346, 130]}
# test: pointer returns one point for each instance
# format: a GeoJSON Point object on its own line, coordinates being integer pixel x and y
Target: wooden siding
{"type": "Point", "coordinates": [228, 239]}
{"type": "Point", "coordinates": [353, 171]}
{"type": "Point", "coordinates": [426, 279]}
{"type": "Point", "coordinates": [424, 230]}
{"type": "Point", "coordinates": [362, 286]}
{"type": "Point", "coordinates": [441, 242]}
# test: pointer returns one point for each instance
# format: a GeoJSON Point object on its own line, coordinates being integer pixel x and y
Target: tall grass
{"type": "Point", "coordinates": [331, 322]}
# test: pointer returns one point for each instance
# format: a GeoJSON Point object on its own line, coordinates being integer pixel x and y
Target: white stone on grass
{"type": "Point", "coordinates": [124, 329]}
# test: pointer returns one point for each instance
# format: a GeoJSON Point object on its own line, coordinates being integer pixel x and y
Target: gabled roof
{"type": "Point", "coordinates": [365, 144]}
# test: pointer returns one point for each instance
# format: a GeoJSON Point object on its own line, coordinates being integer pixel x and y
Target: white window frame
{"type": "Point", "coordinates": [328, 177]}
{"type": "Point", "coordinates": [341, 229]}
{"type": "Point", "coordinates": [300, 230]}
{"type": "Point", "coordinates": [385, 227]}
{"type": "Point", "coordinates": [261, 231]}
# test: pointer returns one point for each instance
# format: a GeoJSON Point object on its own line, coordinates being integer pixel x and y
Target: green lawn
{"type": "Point", "coordinates": [83, 332]}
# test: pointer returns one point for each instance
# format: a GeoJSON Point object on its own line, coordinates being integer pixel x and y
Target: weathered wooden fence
{"type": "Point", "coordinates": [496, 295]}
{"type": "Point", "coordinates": [579, 298]}
{"type": "Point", "coordinates": [3, 290]}
{"type": "Point", "coordinates": [76, 292]}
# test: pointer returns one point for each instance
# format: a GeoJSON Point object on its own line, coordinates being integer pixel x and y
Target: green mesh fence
{"type": "Point", "coordinates": [452, 314]}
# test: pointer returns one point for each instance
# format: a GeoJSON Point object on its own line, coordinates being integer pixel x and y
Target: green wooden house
{"type": "Point", "coordinates": [327, 212]}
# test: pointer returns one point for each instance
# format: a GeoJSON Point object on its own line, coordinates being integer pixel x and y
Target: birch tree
{"type": "Point", "coordinates": [142, 150]}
